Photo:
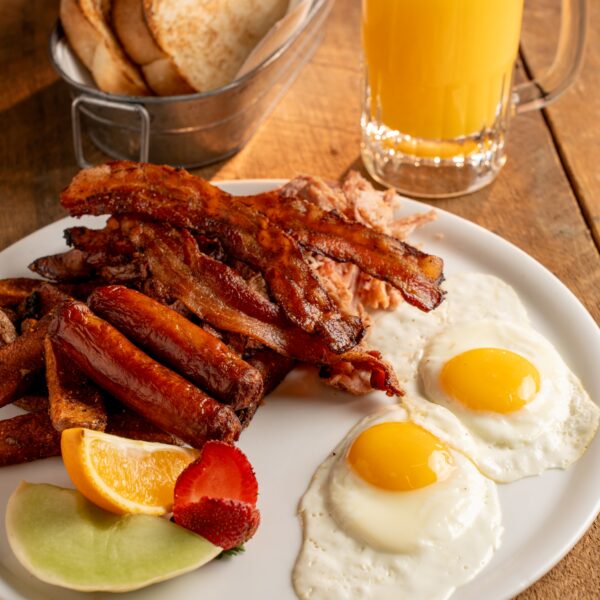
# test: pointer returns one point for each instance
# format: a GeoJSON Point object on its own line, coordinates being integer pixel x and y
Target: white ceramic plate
{"type": "Point", "coordinates": [543, 516]}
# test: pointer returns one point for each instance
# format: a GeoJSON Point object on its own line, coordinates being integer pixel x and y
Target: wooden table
{"type": "Point", "coordinates": [546, 200]}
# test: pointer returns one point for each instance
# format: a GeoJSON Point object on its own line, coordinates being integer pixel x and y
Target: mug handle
{"type": "Point", "coordinates": [540, 92]}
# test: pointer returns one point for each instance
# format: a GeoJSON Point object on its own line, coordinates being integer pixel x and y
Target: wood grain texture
{"type": "Point", "coordinates": [536, 202]}
{"type": "Point", "coordinates": [36, 155]}
{"type": "Point", "coordinates": [573, 119]}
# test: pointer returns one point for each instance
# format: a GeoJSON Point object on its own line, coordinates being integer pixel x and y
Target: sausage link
{"type": "Point", "coordinates": [167, 400]}
{"type": "Point", "coordinates": [174, 340]}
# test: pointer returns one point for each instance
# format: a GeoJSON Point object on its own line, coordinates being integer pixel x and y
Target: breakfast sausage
{"type": "Point", "coordinates": [167, 400]}
{"type": "Point", "coordinates": [185, 347]}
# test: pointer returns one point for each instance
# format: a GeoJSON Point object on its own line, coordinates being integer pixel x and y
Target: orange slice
{"type": "Point", "coordinates": [123, 475]}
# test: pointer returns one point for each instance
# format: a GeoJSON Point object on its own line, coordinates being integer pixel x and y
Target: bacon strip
{"type": "Point", "coordinates": [67, 266]}
{"type": "Point", "coordinates": [174, 196]}
{"type": "Point", "coordinates": [218, 295]}
{"type": "Point", "coordinates": [185, 347]}
{"type": "Point", "coordinates": [221, 297]}
{"type": "Point", "coordinates": [49, 296]}
{"type": "Point", "coordinates": [99, 240]}
{"type": "Point", "coordinates": [415, 274]}
{"type": "Point", "coordinates": [164, 398]}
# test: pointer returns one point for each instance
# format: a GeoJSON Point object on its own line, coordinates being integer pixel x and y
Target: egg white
{"type": "Point", "coordinates": [552, 431]}
{"type": "Point", "coordinates": [446, 532]}
{"type": "Point", "coordinates": [402, 334]}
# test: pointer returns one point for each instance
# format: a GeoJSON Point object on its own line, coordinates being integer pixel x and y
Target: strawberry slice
{"type": "Point", "coordinates": [215, 496]}
{"type": "Point", "coordinates": [221, 471]}
{"type": "Point", "coordinates": [225, 523]}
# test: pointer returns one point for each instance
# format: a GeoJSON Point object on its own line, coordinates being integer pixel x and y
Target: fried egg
{"type": "Point", "coordinates": [504, 395]}
{"type": "Point", "coordinates": [395, 512]}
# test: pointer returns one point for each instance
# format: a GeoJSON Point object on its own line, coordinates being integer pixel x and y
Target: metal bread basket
{"type": "Point", "coordinates": [191, 130]}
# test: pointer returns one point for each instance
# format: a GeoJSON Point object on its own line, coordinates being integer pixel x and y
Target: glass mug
{"type": "Point", "coordinates": [438, 89]}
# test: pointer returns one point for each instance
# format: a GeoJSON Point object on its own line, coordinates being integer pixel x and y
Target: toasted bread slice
{"type": "Point", "coordinates": [85, 24]}
{"type": "Point", "coordinates": [208, 40]}
{"type": "Point", "coordinates": [164, 78]}
{"type": "Point", "coordinates": [160, 72]}
{"type": "Point", "coordinates": [82, 37]}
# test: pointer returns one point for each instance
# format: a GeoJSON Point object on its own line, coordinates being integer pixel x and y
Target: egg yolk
{"type": "Point", "coordinates": [399, 456]}
{"type": "Point", "coordinates": [490, 379]}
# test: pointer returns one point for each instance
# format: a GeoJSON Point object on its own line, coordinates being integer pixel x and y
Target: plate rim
{"type": "Point", "coordinates": [236, 185]}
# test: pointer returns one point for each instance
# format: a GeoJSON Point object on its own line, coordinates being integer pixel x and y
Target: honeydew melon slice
{"type": "Point", "coordinates": [63, 539]}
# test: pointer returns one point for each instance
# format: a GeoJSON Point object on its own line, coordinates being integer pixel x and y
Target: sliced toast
{"type": "Point", "coordinates": [209, 40]}
{"type": "Point", "coordinates": [160, 72]}
{"type": "Point", "coordinates": [86, 25]}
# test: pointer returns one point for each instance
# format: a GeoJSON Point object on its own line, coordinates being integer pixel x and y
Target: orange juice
{"type": "Point", "coordinates": [440, 69]}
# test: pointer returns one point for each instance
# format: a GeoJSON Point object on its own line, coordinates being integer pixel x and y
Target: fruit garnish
{"type": "Point", "coordinates": [221, 471]}
{"type": "Point", "coordinates": [63, 539]}
{"type": "Point", "coordinates": [227, 523]}
{"type": "Point", "coordinates": [123, 475]}
{"type": "Point", "coordinates": [216, 495]}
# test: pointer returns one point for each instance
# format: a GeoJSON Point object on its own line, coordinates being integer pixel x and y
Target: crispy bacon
{"type": "Point", "coordinates": [217, 294]}
{"type": "Point", "coordinates": [174, 196]}
{"type": "Point", "coordinates": [49, 296]}
{"type": "Point", "coordinates": [67, 266]}
{"type": "Point", "coordinates": [74, 265]}
{"type": "Point", "coordinates": [416, 274]}
{"type": "Point", "coordinates": [98, 241]}
{"type": "Point", "coordinates": [361, 372]}
{"type": "Point", "coordinates": [178, 271]}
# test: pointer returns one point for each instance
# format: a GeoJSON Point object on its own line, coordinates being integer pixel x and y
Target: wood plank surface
{"type": "Point", "coordinates": [540, 201]}
{"type": "Point", "coordinates": [574, 118]}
